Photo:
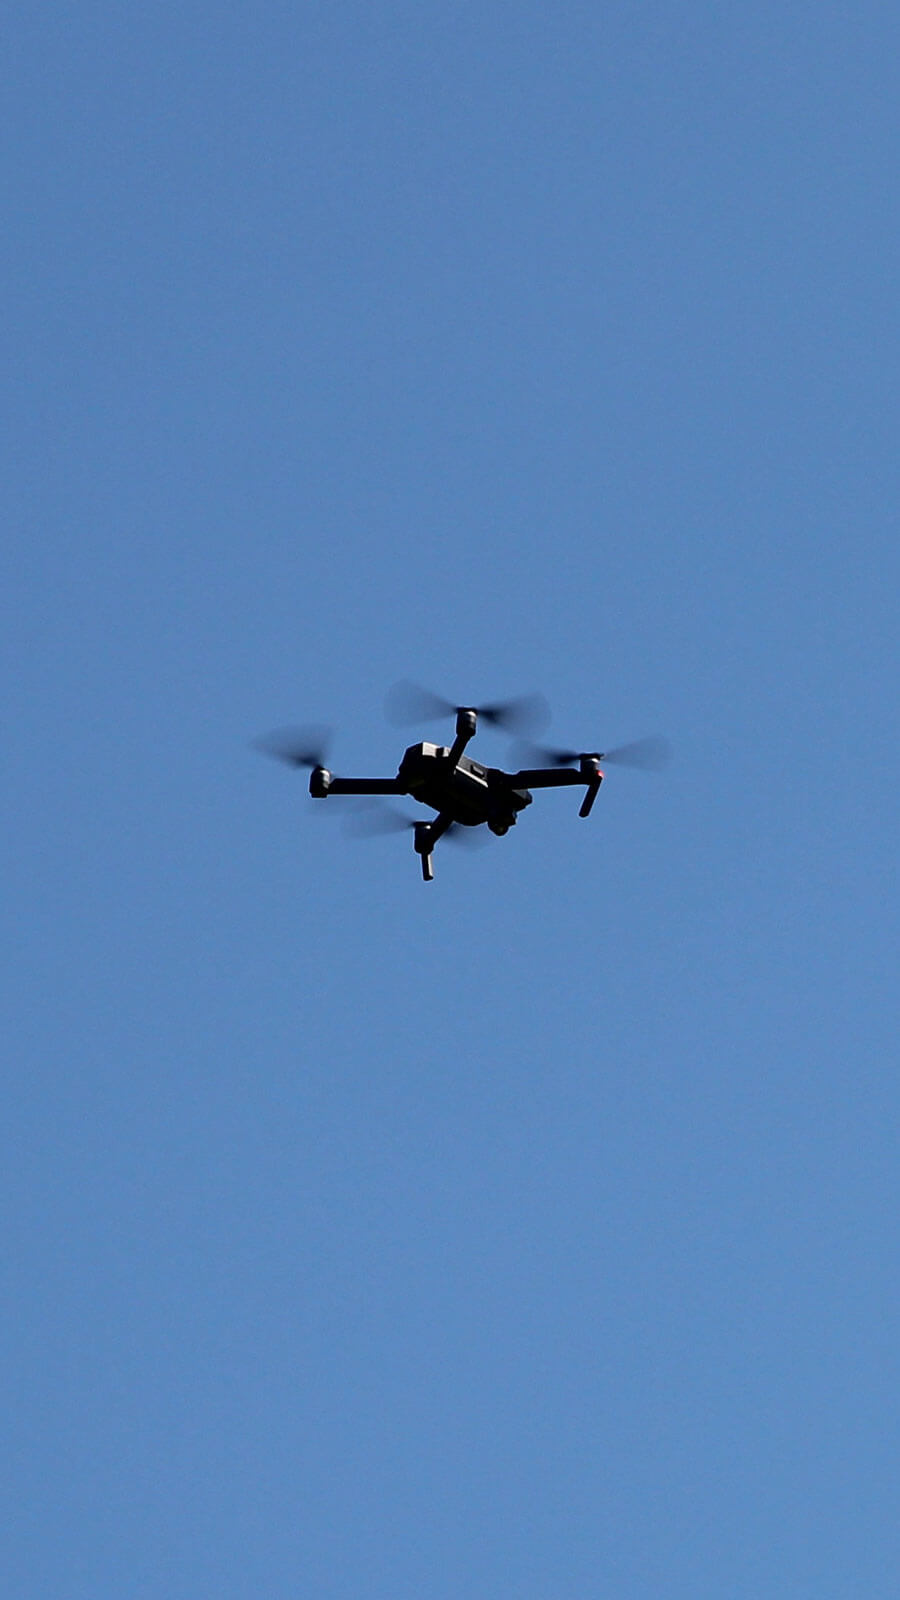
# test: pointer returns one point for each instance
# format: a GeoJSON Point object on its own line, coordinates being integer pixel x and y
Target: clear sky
{"type": "Point", "coordinates": [532, 1234]}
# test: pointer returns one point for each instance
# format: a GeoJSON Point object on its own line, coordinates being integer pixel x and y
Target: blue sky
{"type": "Point", "coordinates": [533, 1234]}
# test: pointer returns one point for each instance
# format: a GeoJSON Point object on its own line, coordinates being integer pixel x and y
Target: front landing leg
{"type": "Point", "coordinates": [425, 838]}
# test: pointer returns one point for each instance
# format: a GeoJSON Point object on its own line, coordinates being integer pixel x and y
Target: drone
{"type": "Point", "coordinates": [464, 793]}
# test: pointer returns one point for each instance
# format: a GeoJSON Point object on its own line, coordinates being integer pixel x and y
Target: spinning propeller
{"type": "Point", "coordinates": [649, 754]}
{"type": "Point", "coordinates": [407, 702]}
{"type": "Point", "coordinates": [369, 821]}
{"type": "Point", "coordinates": [300, 747]}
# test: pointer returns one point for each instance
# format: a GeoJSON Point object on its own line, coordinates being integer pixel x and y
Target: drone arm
{"type": "Point", "coordinates": [546, 778]}
{"type": "Point", "coordinates": [366, 786]}
{"type": "Point", "coordinates": [466, 723]}
{"type": "Point", "coordinates": [587, 773]}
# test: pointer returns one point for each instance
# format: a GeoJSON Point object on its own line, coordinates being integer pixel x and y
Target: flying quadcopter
{"type": "Point", "coordinates": [464, 793]}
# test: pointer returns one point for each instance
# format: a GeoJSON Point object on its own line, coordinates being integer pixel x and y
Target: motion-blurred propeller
{"type": "Point", "coordinates": [368, 821]}
{"type": "Point", "coordinates": [408, 702]}
{"type": "Point", "coordinates": [651, 755]}
{"type": "Point", "coordinates": [299, 747]}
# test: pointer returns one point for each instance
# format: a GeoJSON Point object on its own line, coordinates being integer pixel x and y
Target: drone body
{"type": "Point", "coordinates": [463, 792]}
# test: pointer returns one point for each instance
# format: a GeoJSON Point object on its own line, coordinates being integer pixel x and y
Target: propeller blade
{"type": "Point", "coordinates": [649, 754]}
{"type": "Point", "coordinates": [368, 821]}
{"type": "Point", "coordinates": [470, 838]}
{"type": "Point", "coordinates": [299, 747]}
{"type": "Point", "coordinates": [527, 713]}
{"type": "Point", "coordinates": [542, 755]}
{"type": "Point", "coordinates": [408, 702]}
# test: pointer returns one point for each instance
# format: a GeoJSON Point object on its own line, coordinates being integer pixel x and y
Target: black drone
{"type": "Point", "coordinates": [464, 793]}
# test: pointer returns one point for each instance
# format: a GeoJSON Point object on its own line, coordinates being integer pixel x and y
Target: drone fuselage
{"type": "Point", "coordinates": [463, 792]}
{"type": "Point", "coordinates": [460, 789]}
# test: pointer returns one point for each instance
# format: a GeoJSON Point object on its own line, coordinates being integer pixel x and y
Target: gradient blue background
{"type": "Point", "coordinates": [532, 1235]}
